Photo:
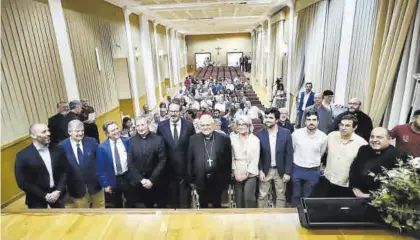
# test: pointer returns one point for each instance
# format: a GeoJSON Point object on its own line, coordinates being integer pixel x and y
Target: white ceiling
{"type": "Point", "coordinates": [193, 17]}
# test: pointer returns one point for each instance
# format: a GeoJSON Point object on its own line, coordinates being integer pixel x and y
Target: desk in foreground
{"type": "Point", "coordinates": [222, 224]}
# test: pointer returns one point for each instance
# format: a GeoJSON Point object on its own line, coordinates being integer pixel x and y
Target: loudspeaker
{"type": "Point", "coordinates": [338, 212]}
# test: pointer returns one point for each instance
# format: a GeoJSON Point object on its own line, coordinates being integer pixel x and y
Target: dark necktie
{"type": "Point", "coordinates": [79, 154]}
{"type": "Point", "coordinates": [117, 159]}
{"type": "Point", "coordinates": [175, 135]}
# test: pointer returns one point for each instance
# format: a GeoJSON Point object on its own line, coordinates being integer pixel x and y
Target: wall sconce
{"type": "Point", "coordinates": [136, 53]}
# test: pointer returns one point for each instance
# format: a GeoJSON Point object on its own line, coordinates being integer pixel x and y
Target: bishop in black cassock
{"type": "Point", "coordinates": [209, 163]}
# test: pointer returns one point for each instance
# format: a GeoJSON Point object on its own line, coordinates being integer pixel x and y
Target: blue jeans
{"type": "Point", "coordinates": [304, 180]}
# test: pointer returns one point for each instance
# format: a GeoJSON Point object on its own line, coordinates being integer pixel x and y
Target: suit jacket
{"type": "Point", "coordinates": [105, 162]}
{"type": "Point", "coordinates": [284, 151]}
{"type": "Point", "coordinates": [364, 127]}
{"type": "Point", "coordinates": [146, 158]}
{"type": "Point", "coordinates": [177, 154]}
{"type": "Point", "coordinates": [54, 124]}
{"type": "Point", "coordinates": [64, 124]}
{"type": "Point", "coordinates": [310, 102]}
{"type": "Point", "coordinates": [221, 154]}
{"type": "Point", "coordinates": [80, 175]}
{"type": "Point", "coordinates": [32, 175]}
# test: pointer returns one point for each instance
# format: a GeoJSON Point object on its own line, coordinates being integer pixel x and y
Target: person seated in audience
{"type": "Point", "coordinates": [252, 111]}
{"type": "Point", "coordinates": [112, 167]}
{"type": "Point", "coordinates": [372, 158]}
{"type": "Point", "coordinates": [82, 179]}
{"type": "Point", "coordinates": [40, 170]}
{"type": "Point", "coordinates": [407, 136]}
{"type": "Point", "coordinates": [245, 159]}
{"type": "Point", "coordinates": [276, 161]}
{"type": "Point", "coordinates": [74, 114]}
{"type": "Point", "coordinates": [146, 162]}
{"type": "Point", "coordinates": [88, 117]}
{"type": "Point", "coordinates": [209, 163]}
{"type": "Point", "coordinates": [127, 127]}
{"type": "Point", "coordinates": [365, 125]}
{"type": "Point", "coordinates": [309, 144]}
{"type": "Point", "coordinates": [343, 147]}
{"type": "Point", "coordinates": [224, 123]}
{"type": "Point", "coordinates": [218, 126]}
{"type": "Point", "coordinates": [284, 121]}
{"type": "Point", "coordinates": [280, 97]}
{"type": "Point", "coordinates": [324, 114]}
{"type": "Point", "coordinates": [54, 123]}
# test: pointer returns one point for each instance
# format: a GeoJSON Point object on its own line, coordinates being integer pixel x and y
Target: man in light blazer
{"type": "Point", "coordinates": [306, 99]}
{"type": "Point", "coordinates": [40, 170]}
{"type": "Point", "coordinates": [82, 179]}
{"type": "Point", "coordinates": [113, 169]}
{"type": "Point", "coordinates": [276, 159]}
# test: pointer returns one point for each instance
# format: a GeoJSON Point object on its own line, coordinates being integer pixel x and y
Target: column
{"type": "Point", "coordinates": [147, 61]}
{"type": "Point", "coordinates": [269, 63]}
{"type": "Point", "coordinates": [131, 64]}
{"type": "Point", "coordinates": [64, 49]}
{"type": "Point", "coordinates": [168, 46]}
{"type": "Point", "coordinates": [262, 55]}
{"type": "Point", "coordinates": [157, 59]}
{"type": "Point", "coordinates": [252, 53]}
{"type": "Point", "coordinates": [344, 52]}
{"type": "Point", "coordinates": [292, 33]}
{"type": "Point", "coordinates": [174, 57]}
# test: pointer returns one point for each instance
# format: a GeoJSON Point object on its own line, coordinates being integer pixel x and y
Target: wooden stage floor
{"type": "Point", "coordinates": [223, 224]}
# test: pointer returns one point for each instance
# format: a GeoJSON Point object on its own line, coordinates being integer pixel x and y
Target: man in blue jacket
{"type": "Point", "coordinates": [306, 99]}
{"type": "Point", "coordinates": [276, 159]}
{"type": "Point", "coordinates": [82, 179]}
{"type": "Point", "coordinates": [113, 167]}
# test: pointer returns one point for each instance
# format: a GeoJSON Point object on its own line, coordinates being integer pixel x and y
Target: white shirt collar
{"type": "Point", "coordinates": [38, 148]}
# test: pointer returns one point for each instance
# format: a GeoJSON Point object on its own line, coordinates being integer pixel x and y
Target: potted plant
{"type": "Point", "coordinates": [398, 198]}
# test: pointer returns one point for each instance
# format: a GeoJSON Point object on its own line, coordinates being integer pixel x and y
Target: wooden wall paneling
{"type": "Point", "coordinates": [19, 64]}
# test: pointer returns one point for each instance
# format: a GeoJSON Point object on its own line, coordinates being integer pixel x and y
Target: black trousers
{"type": "Point", "coordinates": [123, 190]}
{"type": "Point", "coordinates": [178, 193]}
{"type": "Point", "coordinates": [211, 194]}
{"type": "Point", "coordinates": [326, 189]}
{"type": "Point", "coordinates": [33, 203]}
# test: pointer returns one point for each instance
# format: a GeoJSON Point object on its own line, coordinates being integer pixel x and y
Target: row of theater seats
{"type": "Point", "coordinates": [219, 72]}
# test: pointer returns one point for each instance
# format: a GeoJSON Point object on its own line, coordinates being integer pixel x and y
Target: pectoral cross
{"type": "Point", "coordinates": [218, 49]}
{"type": "Point", "coordinates": [210, 161]}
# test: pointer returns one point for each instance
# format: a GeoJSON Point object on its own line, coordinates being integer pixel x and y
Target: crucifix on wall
{"type": "Point", "coordinates": [218, 49]}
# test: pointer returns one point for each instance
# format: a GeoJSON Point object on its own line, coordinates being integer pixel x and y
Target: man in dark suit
{"type": "Point", "coordinates": [146, 162]}
{"type": "Point", "coordinates": [209, 163]}
{"type": "Point", "coordinates": [306, 99]}
{"type": "Point", "coordinates": [54, 122]}
{"type": "Point", "coordinates": [74, 114]}
{"type": "Point", "coordinates": [82, 179]}
{"type": "Point", "coordinates": [111, 158]}
{"type": "Point", "coordinates": [276, 161]}
{"type": "Point", "coordinates": [40, 170]}
{"type": "Point", "coordinates": [176, 132]}
{"type": "Point", "coordinates": [365, 126]}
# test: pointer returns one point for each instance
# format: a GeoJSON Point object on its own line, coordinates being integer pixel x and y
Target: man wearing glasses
{"type": "Point", "coordinates": [343, 147]}
{"type": "Point", "coordinates": [364, 127]}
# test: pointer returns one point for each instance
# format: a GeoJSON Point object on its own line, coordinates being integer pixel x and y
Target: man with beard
{"type": "Point", "coordinates": [209, 163]}
{"type": "Point", "coordinates": [364, 127]}
{"type": "Point", "coordinates": [276, 161]}
{"type": "Point", "coordinates": [376, 156]}
{"type": "Point", "coordinates": [324, 114]}
{"type": "Point", "coordinates": [224, 124]}
{"type": "Point", "coordinates": [40, 170]}
{"type": "Point", "coordinates": [306, 99]}
{"type": "Point", "coordinates": [176, 133]}
{"type": "Point", "coordinates": [54, 123]}
{"type": "Point", "coordinates": [146, 162]}
{"type": "Point", "coordinates": [343, 147]}
{"type": "Point", "coordinates": [407, 136]}
{"type": "Point", "coordinates": [309, 144]}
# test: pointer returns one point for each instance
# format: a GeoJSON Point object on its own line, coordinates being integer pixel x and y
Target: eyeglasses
{"type": "Point", "coordinates": [171, 111]}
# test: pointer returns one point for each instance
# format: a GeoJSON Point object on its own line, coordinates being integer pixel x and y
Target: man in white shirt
{"type": "Point", "coordinates": [112, 167]}
{"type": "Point", "coordinates": [309, 144]}
{"type": "Point", "coordinates": [40, 170]}
{"type": "Point", "coordinates": [343, 147]}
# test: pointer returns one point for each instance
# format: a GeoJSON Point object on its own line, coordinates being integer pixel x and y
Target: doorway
{"type": "Point", "coordinates": [202, 59]}
{"type": "Point", "coordinates": [233, 59]}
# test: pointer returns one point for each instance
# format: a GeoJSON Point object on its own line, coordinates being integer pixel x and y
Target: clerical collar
{"type": "Point", "coordinates": [208, 137]}
{"type": "Point", "coordinates": [144, 136]}
{"type": "Point", "coordinates": [380, 151]}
